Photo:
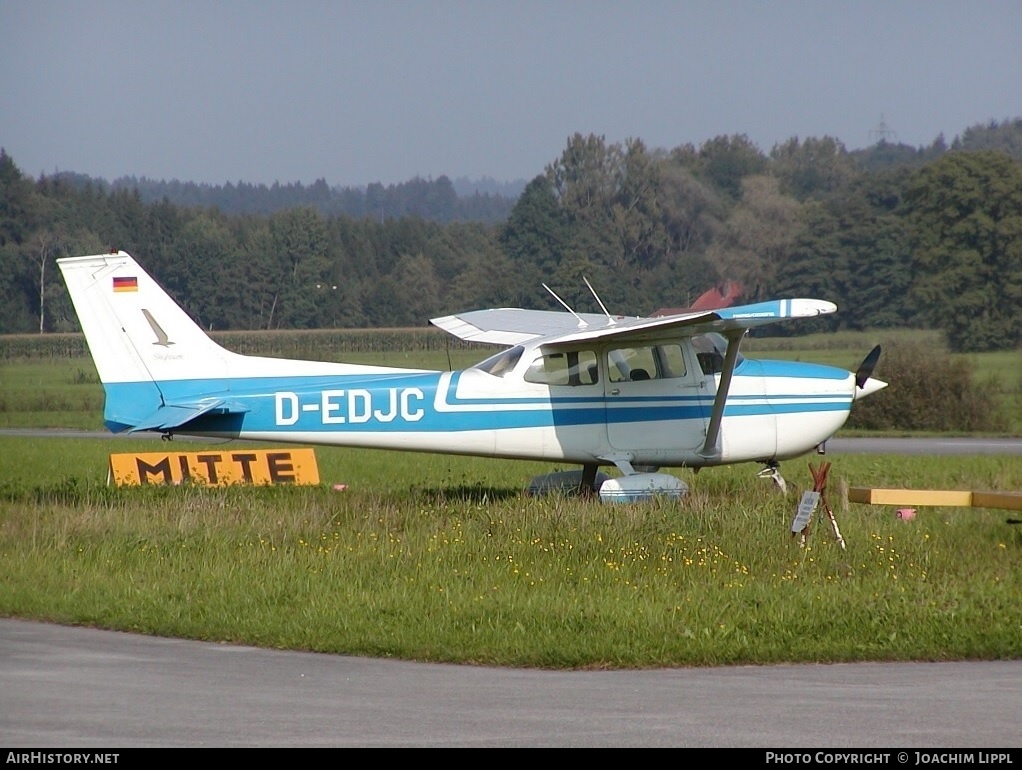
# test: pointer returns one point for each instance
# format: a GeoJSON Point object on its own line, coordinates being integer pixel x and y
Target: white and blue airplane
{"type": "Point", "coordinates": [636, 393]}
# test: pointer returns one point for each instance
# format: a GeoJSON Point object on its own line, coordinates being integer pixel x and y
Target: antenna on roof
{"type": "Point", "coordinates": [581, 323]}
{"type": "Point", "coordinates": [610, 320]}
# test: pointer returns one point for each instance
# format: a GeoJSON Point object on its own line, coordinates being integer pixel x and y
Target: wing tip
{"type": "Point", "coordinates": [807, 308]}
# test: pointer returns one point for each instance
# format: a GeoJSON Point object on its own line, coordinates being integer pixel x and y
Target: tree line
{"type": "Point", "coordinates": [438, 200]}
{"type": "Point", "coordinates": [897, 236]}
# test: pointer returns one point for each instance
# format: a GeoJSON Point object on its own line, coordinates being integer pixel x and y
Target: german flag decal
{"type": "Point", "coordinates": [126, 284]}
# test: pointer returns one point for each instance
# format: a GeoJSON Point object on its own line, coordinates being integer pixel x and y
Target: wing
{"type": "Point", "coordinates": [513, 326]}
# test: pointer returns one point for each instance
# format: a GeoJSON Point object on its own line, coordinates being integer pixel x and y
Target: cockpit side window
{"type": "Point", "coordinates": [572, 368]}
{"type": "Point", "coordinates": [653, 362]}
{"type": "Point", "coordinates": [671, 361]}
{"type": "Point", "coordinates": [503, 362]}
{"type": "Point", "coordinates": [631, 364]}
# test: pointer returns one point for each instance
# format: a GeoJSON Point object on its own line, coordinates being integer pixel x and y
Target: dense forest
{"type": "Point", "coordinates": [897, 236]}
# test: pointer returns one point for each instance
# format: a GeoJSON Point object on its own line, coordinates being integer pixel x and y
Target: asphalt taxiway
{"type": "Point", "coordinates": [64, 687]}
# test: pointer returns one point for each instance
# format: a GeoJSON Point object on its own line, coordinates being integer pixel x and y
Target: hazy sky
{"type": "Point", "coordinates": [358, 91]}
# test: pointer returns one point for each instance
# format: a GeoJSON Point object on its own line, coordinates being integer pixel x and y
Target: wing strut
{"type": "Point", "coordinates": [711, 448]}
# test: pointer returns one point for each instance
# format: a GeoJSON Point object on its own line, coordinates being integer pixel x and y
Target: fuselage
{"type": "Point", "coordinates": [647, 403]}
{"type": "Point", "coordinates": [566, 387]}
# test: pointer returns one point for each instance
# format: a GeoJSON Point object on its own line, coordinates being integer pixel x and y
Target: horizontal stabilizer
{"type": "Point", "coordinates": [175, 415]}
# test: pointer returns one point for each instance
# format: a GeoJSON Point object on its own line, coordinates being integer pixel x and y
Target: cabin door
{"type": "Point", "coordinates": [655, 401]}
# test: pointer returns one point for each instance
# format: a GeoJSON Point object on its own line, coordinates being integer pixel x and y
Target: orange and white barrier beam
{"type": "Point", "coordinates": [921, 497]}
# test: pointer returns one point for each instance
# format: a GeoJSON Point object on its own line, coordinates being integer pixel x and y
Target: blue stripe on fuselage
{"type": "Point", "coordinates": [406, 403]}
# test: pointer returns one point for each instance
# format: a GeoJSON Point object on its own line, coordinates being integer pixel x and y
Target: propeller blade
{"type": "Point", "coordinates": [865, 369]}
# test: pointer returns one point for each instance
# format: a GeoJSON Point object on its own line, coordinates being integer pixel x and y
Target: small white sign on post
{"type": "Point", "coordinates": [805, 511]}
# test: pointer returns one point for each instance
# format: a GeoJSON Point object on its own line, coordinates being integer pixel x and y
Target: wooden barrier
{"type": "Point", "coordinates": [1011, 501]}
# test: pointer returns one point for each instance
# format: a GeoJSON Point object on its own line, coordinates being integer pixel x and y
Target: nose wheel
{"type": "Point", "coordinates": [772, 471]}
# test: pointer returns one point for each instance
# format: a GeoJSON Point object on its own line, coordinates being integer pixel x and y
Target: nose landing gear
{"type": "Point", "coordinates": [772, 471]}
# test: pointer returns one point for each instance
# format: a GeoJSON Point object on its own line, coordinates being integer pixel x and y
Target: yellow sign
{"type": "Point", "coordinates": [216, 468]}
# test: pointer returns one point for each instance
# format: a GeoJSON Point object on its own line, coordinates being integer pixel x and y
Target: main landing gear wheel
{"type": "Point", "coordinates": [587, 487]}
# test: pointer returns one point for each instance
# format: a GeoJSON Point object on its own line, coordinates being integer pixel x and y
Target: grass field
{"type": "Point", "coordinates": [429, 557]}
{"type": "Point", "coordinates": [426, 557]}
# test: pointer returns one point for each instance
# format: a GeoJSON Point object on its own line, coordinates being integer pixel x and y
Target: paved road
{"type": "Point", "coordinates": [929, 446]}
{"type": "Point", "coordinates": [65, 687]}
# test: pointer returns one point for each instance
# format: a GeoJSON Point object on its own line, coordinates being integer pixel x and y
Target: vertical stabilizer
{"type": "Point", "coordinates": [144, 345]}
